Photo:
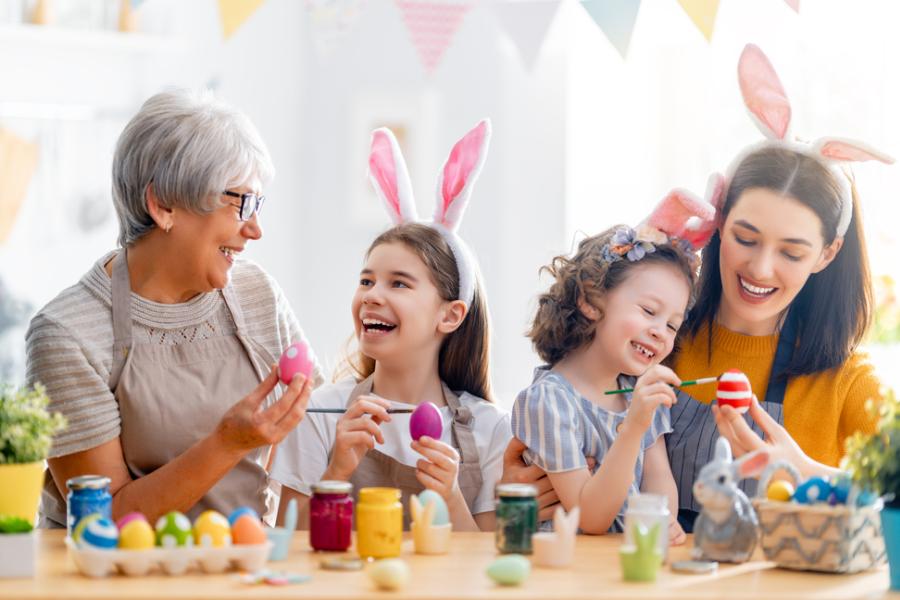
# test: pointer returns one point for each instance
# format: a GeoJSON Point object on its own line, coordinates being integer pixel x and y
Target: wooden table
{"type": "Point", "coordinates": [459, 574]}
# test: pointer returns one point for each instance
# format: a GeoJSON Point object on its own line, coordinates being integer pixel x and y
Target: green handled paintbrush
{"type": "Point", "coordinates": [700, 381]}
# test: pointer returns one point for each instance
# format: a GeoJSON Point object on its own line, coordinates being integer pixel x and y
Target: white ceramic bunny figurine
{"type": "Point", "coordinates": [727, 528]}
{"type": "Point", "coordinates": [557, 548]}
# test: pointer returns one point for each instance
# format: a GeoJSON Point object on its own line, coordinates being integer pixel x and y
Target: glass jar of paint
{"type": "Point", "coordinates": [88, 494]}
{"type": "Point", "coordinates": [517, 511]}
{"type": "Point", "coordinates": [379, 523]}
{"type": "Point", "coordinates": [331, 516]}
{"type": "Point", "coordinates": [648, 511]}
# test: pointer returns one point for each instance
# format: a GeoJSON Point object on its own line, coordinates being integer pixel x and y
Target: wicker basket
{"type": "Point", "coordinates": [818, 537]}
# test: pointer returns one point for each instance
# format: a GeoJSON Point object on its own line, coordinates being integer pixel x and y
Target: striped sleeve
{"type": "Point", "coordinates": [75, 388]}
{"type": "Point", "coordinates": [661, 425]}
{"type": "Point", "coordinates": [546, 418]}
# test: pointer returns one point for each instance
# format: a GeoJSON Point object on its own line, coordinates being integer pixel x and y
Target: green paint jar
{"type": "Point", "coordinates": [517, 512]}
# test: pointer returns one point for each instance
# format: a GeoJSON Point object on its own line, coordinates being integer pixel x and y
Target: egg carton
{"type": "Point", "coordinates": [96, 562]}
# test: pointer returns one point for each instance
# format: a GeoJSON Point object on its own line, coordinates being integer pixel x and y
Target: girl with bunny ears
{"type": "Point", "coordinates": [607, 322]}
{"type": "Point", "coordinates": [421, 323]}
{"type": "Point", "coordinates": [784, 295]}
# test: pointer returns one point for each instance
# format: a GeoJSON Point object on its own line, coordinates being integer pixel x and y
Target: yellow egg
{"type": "Point", "coordinates": [137, 535]}
{"type": "Point", "coordinates": [390, 574]}
{"type": "Point", "coordinates": [780, 491]}
{"type": "Point", "coordinates": [248, 530]}
{"type": "Point", "coordinates": [211, 529]}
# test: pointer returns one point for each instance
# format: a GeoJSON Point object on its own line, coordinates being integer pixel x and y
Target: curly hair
{"type": "Point", "coordinates": [559, 326]}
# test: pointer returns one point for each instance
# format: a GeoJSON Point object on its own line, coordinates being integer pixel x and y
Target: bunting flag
{"type": "Point", "coordinates": [18, 160]}
{"type": "Point", "coordinates": [135, 4]}
{"type": "Point", "coordinates": [234, 12]}
{"type": "Point", "coordinates": [616, 18]}
{"type": "Point", "coordinates": [526, 22]}
{"type": "Point", "coordinates": [330, 21]}
{"type": "Point", "coordinates": [795, 4]}
{"type": "Point", "coordinates": [432, 26]}
{"type": "Point", "coordinates": [702, 13]}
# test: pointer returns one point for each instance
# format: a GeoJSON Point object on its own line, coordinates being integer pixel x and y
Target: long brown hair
{"type": "Point", "coordinates": [832, 311]}
{"type": "Point", "coordinates": [464, 358]}
{"type": "Point", "coordinates": [559, 326]}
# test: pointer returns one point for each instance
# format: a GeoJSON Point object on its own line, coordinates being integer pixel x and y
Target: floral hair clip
{"type": "Point", "coordinates": [680, 219]}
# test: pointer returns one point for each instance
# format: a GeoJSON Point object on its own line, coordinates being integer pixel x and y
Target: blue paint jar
{"type": "Point", "coordinates": [88, 494]}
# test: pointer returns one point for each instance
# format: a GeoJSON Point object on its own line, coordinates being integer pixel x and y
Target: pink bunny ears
{"type": "Point", "coordinates": [390, 178]}
{"type": "Point", "coordinates": [770, 109]}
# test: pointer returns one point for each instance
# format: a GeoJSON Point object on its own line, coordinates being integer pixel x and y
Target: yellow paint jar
{"type": "Point", "coordinates": [379, 523]}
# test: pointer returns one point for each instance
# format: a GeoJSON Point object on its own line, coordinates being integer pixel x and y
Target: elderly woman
{"type": "Point", "coordinates": [162, 355]}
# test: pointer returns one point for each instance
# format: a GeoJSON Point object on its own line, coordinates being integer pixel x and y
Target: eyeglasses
{"type": "Point", "coordinates": [251, 204]}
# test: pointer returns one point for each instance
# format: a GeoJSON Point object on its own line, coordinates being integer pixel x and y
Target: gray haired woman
{"type": "Point", "coordinates": [162, 355]}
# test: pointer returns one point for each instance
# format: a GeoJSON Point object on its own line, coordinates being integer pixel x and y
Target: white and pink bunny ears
{"type": "Point", "coordinates": [684, 216]}
{"type": "Point", "coordinates": [770, 109]}
{"type": "Point", "coordinates": [390, 178]}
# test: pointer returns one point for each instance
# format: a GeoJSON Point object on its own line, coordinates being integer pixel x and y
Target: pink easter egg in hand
{"type": "Point", "coordinates": [734, 390]}
{"type": "Point", "coordinates": [426, 419]}
{"type": "Point", "coordinates": [294, 360]}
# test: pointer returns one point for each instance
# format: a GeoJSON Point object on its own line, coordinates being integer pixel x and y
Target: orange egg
{"type": "Point", "coordinates": [247, 530]}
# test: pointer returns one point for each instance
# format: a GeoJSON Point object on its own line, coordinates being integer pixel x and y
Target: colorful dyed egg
{"type": "Point", "coordinates": [840, 487]}
{"type": "Point", "coordinates": [780, 491]}
{"type": "Point", "coordinates": [441, 514]}
{"type": "Point", "coordinates": [132, 516]}
{"type": "Point", "coordinates": [389, 573]}
{"type": "Point", "coordinates": [427, 420]}
{"type": "Point", "coordinates": [248, 530]}
{"type": "Point", "coordinates": [734, 390]}
{"type": "Point", "coordinates": [211, 530]}
{"type": "Point", "coordinates": [136, 535]}
{"type": "Point", "coordinates": [511, 569]}
{"type": "Point", "coordinates": [173, 529]}
{"type": "Point", "coordinates": [294, 360]}
{"type": "Point", "coordinates": [96, 531]}
{"type": "Point", "coordinates": [238, 512]}
{"type": "Point", "coordinates": [813, 490]}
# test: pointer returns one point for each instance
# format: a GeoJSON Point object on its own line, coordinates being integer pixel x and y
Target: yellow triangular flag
{"type": "Point", "coordinates": [235, 12]}
{"type": "Point", "coordinates": [18, 160]}
{"type": "Point", "coordinates": [702, 13]}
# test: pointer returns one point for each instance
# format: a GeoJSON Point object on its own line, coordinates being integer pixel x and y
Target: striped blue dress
{"type": "Point", "coordinates": [562, 428]}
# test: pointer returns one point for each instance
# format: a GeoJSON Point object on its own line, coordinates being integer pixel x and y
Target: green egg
{"type": "Point", "coordinates": [511, 569]}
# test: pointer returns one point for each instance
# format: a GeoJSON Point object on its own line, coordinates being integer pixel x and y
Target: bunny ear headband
{"type": "Point", "coordinates": [681, 219]}
{"type": "Point", "coordinates": [390, 178]}
{"type": "Point", "coordinates": [770, 109]}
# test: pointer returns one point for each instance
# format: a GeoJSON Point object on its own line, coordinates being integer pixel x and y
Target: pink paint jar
{"type": "Point", "coordinates": [331, 516]}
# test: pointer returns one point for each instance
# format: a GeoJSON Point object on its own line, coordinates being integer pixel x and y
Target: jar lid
{"type": "Point", "coordinates": [88, 482]}
{"type": "Point", "coordinates": [516, 490]}
{"type": "Point", "coordinates": [379, 495]}
{"type": "Point", "coordinates": [328, 486]}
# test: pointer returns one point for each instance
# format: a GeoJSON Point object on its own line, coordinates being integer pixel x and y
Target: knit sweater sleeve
{"type": "Point", "coordinates": [858, 383]}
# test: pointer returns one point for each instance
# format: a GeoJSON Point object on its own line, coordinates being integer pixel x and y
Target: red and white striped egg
{"type": "Point", "coordinates": [734, 390]}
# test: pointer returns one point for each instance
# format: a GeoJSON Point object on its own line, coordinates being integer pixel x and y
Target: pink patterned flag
{"type": "Point", "coordinates": [432, 26]}
{"type": "Point", "coordinates": [795, 4]}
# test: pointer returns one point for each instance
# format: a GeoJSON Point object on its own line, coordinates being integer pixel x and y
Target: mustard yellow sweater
{"type": "Point", "coordinates": [820, 410]}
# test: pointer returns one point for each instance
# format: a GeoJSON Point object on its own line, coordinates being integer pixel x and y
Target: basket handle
{"type": "Point", "coordinates": [770, 471]}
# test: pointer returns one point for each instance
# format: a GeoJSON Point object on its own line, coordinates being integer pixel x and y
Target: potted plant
{"type": "Point", "coordinates": [874, 461]}
{"type": "Point", "coordinates": [26, 432]}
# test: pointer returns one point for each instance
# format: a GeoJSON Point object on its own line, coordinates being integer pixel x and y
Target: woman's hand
{"type": "Point", "coordinates": [438, 471]}
{"type": "Point", "coordinates": [778, 443]}
{"type": "Point", "coordinates": [676, 534]}
{"type": "Point", "coordinates": [653, 389]}
{"type": "Point", "coordinates": [247, 425]}
{"type": "Point", "coordinates": [356, 433]}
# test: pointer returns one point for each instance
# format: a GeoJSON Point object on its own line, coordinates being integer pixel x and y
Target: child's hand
{"type": "Point", "coordinates": [356, 433]}
{"type": "Point", "coordinates": [676, 534]}
{"type": "Point", "coordinates": [652, 389]}
{"type": "Point", "coordinates": [439, 471]}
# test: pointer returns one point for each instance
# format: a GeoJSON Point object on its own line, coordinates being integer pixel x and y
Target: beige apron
{"type": "Point", "coordinates": [377, 469]}
{"type": "Point", "coordinates": [171, 396]}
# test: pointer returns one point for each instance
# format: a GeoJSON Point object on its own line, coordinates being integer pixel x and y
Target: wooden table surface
{"type": "Point", "coordinates": [459, 574]}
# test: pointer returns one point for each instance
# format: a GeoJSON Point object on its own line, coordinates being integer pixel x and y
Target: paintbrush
{"type": "Point", "coordinates": [700, 381]}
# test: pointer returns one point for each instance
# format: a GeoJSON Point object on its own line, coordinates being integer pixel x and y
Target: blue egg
{"type": "Point", "coordinates": [813, 490]}
{"type": "Point", "coordinates": [841, 487]}
{"type": "Point", "coordinates": [99, 532]}
{"type": "Point", "coordinates": [441, 514]}
{"type": "Point", "coordinates": [239, 512]}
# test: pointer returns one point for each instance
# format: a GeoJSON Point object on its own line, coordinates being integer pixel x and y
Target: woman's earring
{"type": "Point", "coordinates": [168, 227]}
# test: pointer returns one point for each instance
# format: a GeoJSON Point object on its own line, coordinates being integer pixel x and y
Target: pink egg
{"type": "Point", "coordinates": [294, 360]}
{"type": "Point", "coordinates": [132, 516]}
{"type": "Point", "coordinates": [426, 420]}
{"type": "Point", "coordinates": [734, 390]}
